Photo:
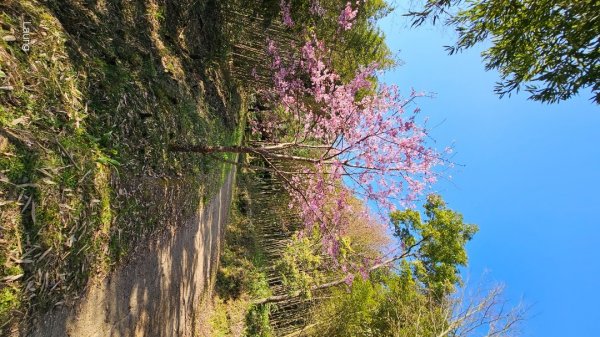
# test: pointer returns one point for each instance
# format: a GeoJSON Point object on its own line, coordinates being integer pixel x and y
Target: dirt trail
{"type": "Point", "coordinates": [159, 292]}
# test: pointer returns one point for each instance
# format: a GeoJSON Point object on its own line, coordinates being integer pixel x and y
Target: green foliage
{"type": "Point", "coordinates": [241, 275]}
{"type": "Point", "coordinates": [240, 271]}
{"type": "Point", "coordinates": [352, 312]}
{"type": "Point", "coordinates": [387, 304]}
{"type": "Point", "coordinates": [257, 322]}
{"type": "Point", "coordinates": [219, 323]}
{"type": "Point", "coordinates": [9, 300]}
{"type": "Point", "coordinates": [549, 47]}
{"type": "Point", "coordinates": [361, 45]}
{"type": "Point", "coordinates": [301, 266]}
{"type": "Point", "coordinates": [10, 292]}
{"type": "Point", "coordinates": [238, 276]}
{"type": "Point", "coordinates": [364, 43]}
{"type": "Point", "coordinates": [415, 300]}
{"type": "Point", "coordinates": [441, 249]}
{"type": "Point", "coordinates": [228, 318]}
{"type": "Point", "coordinates": [241, 261]}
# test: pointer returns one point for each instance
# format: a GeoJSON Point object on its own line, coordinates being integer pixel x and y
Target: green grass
{"type": "Point", "coordinates": [242, 262]}
{"type": "Point", "coordinates": [257, 320]}
{"type": "Point", "coordinates": [241, 275]}
{"type": "Point", "coordinates": [9, 300]}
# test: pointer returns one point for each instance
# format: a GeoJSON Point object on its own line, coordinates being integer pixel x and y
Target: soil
{"type": "Point", "coordinates": [158, 293]}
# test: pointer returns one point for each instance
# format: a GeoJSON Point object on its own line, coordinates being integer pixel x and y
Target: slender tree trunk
{"type": "Point", "coordinates": [265, 151]}
{"type": "Point", "coordinates": [211, 149]}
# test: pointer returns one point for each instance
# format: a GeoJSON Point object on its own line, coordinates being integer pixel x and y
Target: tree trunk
{"type": "Point", "coordinates": [265, 151]}
{"type": "Point", "coordinates": [211, 149]}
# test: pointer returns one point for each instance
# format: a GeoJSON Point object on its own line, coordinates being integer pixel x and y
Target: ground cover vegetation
{"type": "Point", "coordinates": [86, 113]}
{"type": "Point", "coordinates": [241, 275]}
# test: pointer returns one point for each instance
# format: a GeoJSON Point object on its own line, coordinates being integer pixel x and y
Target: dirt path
{"type": "Point", "coordinates": [158, 293]}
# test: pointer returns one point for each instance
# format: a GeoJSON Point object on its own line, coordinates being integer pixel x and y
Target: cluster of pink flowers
{"type": "Point", "coordinates": [368, 145]}
{"type": "Point", "coordinates": [286, 12]}
{"type": "Point", "coordinates": [316, 8]}
{"type": "Point", "coordinates": [345, 19]}
{"type": "Point", "coordinates": [347, 16]}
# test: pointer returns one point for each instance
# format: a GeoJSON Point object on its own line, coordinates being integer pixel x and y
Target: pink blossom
{"type": "Point", "coordinates": [372, 148]}
{"type": "Point", "coordinates": [286, 13]}
{"type": "Point", "coordinates": [349, 279]}
{"type": "Point", "coordinates": [316, 8]}
{"type": "Point", "coordinates": [347, 16]}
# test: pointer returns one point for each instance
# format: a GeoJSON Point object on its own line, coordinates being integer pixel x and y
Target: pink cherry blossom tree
{"type": "Point", "coordinates": [328, 140]}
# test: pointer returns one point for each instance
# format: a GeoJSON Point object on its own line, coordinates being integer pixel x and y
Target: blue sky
{"type": "Point", "coordinates": [531, 180]}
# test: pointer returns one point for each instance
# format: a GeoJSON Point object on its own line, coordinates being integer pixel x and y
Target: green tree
{"type": "Point", "coordinates": [442, 239]}
{"type": "Point", "coordinates": [416, 300]}
{"type": "Point", "coordinates": [420, 295]}
{"type": "Point", "coordinates": [433, 250]}
{"type": "Point", "coordinates": [551, 49]}
{"type": "Point", "coordinates": [386, 304]}
{"type": "Point", "coordinates": [397, 305]}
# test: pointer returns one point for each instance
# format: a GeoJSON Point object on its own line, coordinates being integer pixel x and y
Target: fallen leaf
{"type": "Point", "coordinates": [12, 278]}
{"type": "Point", "coordinates": [67, 207]}
{"type": "Point", "coordinates": [48, 181]}
{"type": "Point", "coordinates": [44, 254]}
{"type": "Point", "coordinates": [70, 241]}
{"type": "Point", "coordinates": [21, 120]}
{"type": "Point", "coordinates": [23, 261]}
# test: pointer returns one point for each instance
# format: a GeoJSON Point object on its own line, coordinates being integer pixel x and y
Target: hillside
{"type": "Point", "coordinates": [92, 93]}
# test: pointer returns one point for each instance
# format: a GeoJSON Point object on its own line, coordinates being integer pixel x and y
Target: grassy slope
{"type": "Point", "coordinates": [241, 276]}
{"type": "Point", "coordinates": [85, 120]}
